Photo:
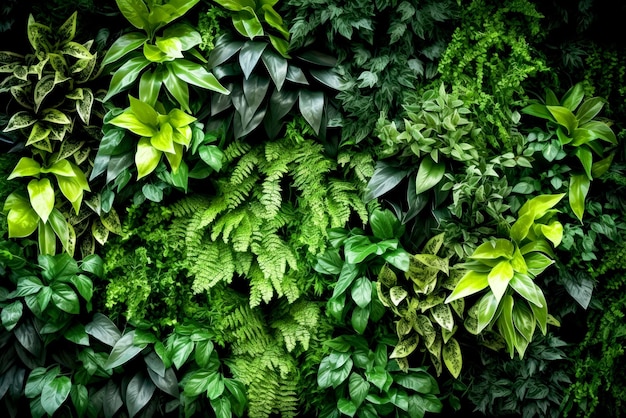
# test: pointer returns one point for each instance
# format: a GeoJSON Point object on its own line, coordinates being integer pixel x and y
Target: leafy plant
{"type": "Point", "coordinates": [579, 132]}
{"type": "Point", "coordinates": [365, 383]}
{"type": "Point", "coordinates": [363, 258]}
{"type": "Point", "coordinates": [161, 62]}
{"type": "Point", "coordinates": [507, 267]}
{"type": "Point", "coordinates": [418, 301]}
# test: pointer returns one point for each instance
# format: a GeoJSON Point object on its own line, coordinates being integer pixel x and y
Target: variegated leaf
{"type": "Point", "coordinates": [111, 221]}
{"type": "Point", "coordinates": [403, 364]}
{"type": "Point", "coordinates": [99, 232]}
{"type": "Point", "coordinates": [10, 82]}
{"type": "Point", "coordinates": [39, 132]}
{"type": "Point", "coordinates": [387, 276]}
{"type": "Point", "coordinates": [23, 96]}
{"type": "Point", "coordinates": [8, 57]}
{"type": "Point", "coordinates": [58, 63]}
{"type": "Point", "coordinates": [436, 361]}
{"type": "Point", "coordinates": [87, 246]}
{"type": "Point", "coordinates": [9, 68]}
{"type": "Point", "coordinates": [38, 35]}
{"type": "Point", "coordinates": [426, 329]}
{"type": "Point", "coordinates": [382, 296]}
{"type": "Point", "coordinates": [397, 294]}
{"type": "Point", "coordinates": [44, 145]}
{"type": "Point", "coordinates": [443, 315]}
{"type": "Point", "coordinates": [69, 147]}
{"type": "Point", "coordinates": [83, 106]}
{"type": "Point", "coordinates": [403, 327]}
{"type": "Point", "coordinates": [451, 281]}
{"type": "Point", "coordinates": [432, 300]}
{"type": "Point", "coordinates": [67, 30]}
{"type": "Point", "coordinates": [405, 347]}
{"type": "Point", "coordinates": [20, 120]}
{"type": "Point", "coordinates": [60, 77]}
{"type": "Point", "coordinates": [446, 335]}
{"type": "Point", "coordinates": [452, 357]}
{"type": "Point", "coordinates": [42, 89]}
{"type": "Point", "coordinates": [81, 155]}
{"type": "Point", "coordinates": [21, 72]}
{"type": "Point", "coordinates": [55, 116]}
{"type": "Point", "coordinates": [57, 132]}
{"type": "Point", "coordinates": [76, 50]}
{"type": "Point", "coordinates": [433, 261]}
{"type": "Point", "coordinates": [458, 306]}
{"type": "Point", "coordinates": [435, 347]}
{"type": "Point", "coordinates": [434, 244]}
{"type": "Point", "coordinates": [91, 69]}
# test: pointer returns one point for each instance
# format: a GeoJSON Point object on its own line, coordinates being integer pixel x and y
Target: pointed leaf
{"type": "Point", "coordinates": [123, 351]}
{"type": "Point", "coordinates": [55, 393]}
{"type": "Point", "coordinates": [452, 357]}
{"type": "Point", "coordinates": [578, 188]}
{"type": "Point", "coordinates": [138, 393]}
{"type": "Point", "coordinates": [311, 104]}
{"type": "Point", "coordinates": [276, 67]}
{"type": "Point", "coordinates": [249, 56]}
{"type": "Point", "coordinates": [472, 282]}
{"type": "Point", "coordinates": [41, 196]}
{"type": "Point", "coordinates": [126, 75]}
{"type": "Point", "coordinates": [196, 74]}
{"type": "Point", "coordinates": [146, 158]}
{"type": "Point", "coordinates": [123, 45]}
{"type": "Point", "coordinates": [429, 174]}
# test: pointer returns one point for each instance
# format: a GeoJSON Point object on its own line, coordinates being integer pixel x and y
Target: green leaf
{"type": "Point", "coordinates": [276, 67]}
{"type": "Point", "coordinates": [144, 114]}
{"type": "Point", "coordinates": [586, 158]}
{"type": "Point", "coordinates": [11, 314]}
{"type": "Point", "coordinates": [54, 393]}
{"type": "Point", "coordinates": [93, 264]}
{"type": "Point", "coordinates": [601, 130]}
{"type": "Point", "coordinates": [249, 56]}
{"type": "Point", "coordinates": [136, 12]}
{"type": "Point", "coordinates": [123, 351]}
{"type": "Point", "coordinates": [203, 352]}
{"type": "Point", "coordinates": [539, 205]}
{"type": "Point", "coordinates": [358, 388]}
{"type": "Point", "coordinates": [384, 179]}
{"type": "Point", "coordinates": [199, 382]}
{"type": "Point", "coordinates": [152, 192]}
{"type": "Point", "coordinates": [472, 282]}
{"type": "Point", "coordinates": [43, 87]}
{"type": "Point", "coordinates": [146, 158]}
{"type": "Point", "coordinates": [41, 196]}
{"type": "Point", "coordinates": [26, 167]}
{"type": "Point", "coordinates": [361, 292]}
{"type": "Point", "coordinates": [128, 120]}
{"type": "Point", "coordinates": [360, 317]}
{"type": "Point", "coordinates": [84, 285]}
{"type": "Point", "coordinates": [554, 232]}
{"type": "Point", "coordinates": [524, 321]}
{"type": "Point", "coordinates": [39, 378]}
{"type": "Point", "coordinates": [505, 323]}
{"type": "Point", "coordinates": [538, 110]}
{"type": "Point", "coordinates": [486, 310]}
{"type": "Point", "coordinates": [499, 278]}
{"type": "Point", "coordinates": [443, 316]}
{"type": "Point", "coordinates": [429, 174]}
{"type": "Point", "coordinates": [20, 120]}
{"type": "Point", "coordinates": [452, 357]}
{"type": "Point", "coordinates": [578, 188]}
{"type": "Point", "coordinates": [103, 329]}
{"type": "Point", "coordinates": [22, 219]}
{"type": "Point", "coordinates": [80, 399]}
{"type": "Point", "coordinates": [347, 407]}
{"type": "Point", "coordinates": [46, 239]}
{"type": "Point", "coordinates": [600, 167]}
{"type": "Point", "coordinates": [178, 88]}
{"type": "Point", "coordinates": [247, 23]}
{"type": "Point", "coordinates": [196, 75]}
{"type": "Point", "coordinates": [405, 347]}
{"type": "Point", "coordinates": [537, 263]}
{"type": "Point", "coordinates": [123, 45]}
{"type": "Point", "coordinates": [311, 104]}
{"type": "Point", "coordinates": [163, 140]}
{"type": "Point", "coordinates": [77, 335]}
{"type": "Point", "coordinates": [564, 117]}
{"type": "Point", "coordinates": [179, 351]}
{"type": "Point", "coordinates": [138, 393]}
{"type": "Point", "coordinates": [64, 298]}
{"type": "Point", "coordinates": [525, 286]}
{"type": "Point", "coordinates": [385, 225]}
{"type": "Point", "coordinates": [589, 109]}
{"type": "Point", "coordinates": [572, 98]}
{"type": "Point", "coordinates": [149, 86]}
{"type": "Point", "coordinates": [126, 75]}
{"type": "Point", "coordinates": [494, 249]}
{"type": "Point", "coordinates": [212, 155]}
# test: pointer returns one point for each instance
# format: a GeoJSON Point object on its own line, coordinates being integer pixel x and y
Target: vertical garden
{"type": "Point", "coordinates": [302, 208]}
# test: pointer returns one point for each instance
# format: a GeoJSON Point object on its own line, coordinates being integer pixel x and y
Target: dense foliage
{"type": "Point", "coordinates": [312, 208]}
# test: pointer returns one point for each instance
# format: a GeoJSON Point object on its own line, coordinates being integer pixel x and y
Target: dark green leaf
{"type": "Point", "coordinates": [358, 388]}
{"type": "Point", "coordinates": [249, 56]}
{"type": "Point", "coordinates": [11, 314]}
{"type": "Point", "coordinates": [77, 335]}
{"type": "Point", "coordinates": [311, 104]}
{"type": "Point", "coordinates": [361, 292]}
{"type": "Point", "coordinates": [80, 399]}
{"type": "Point", "coordinates": [138, 393]}
{"type": "Point", "coordinates": [65, 298]}
{"type": "Point", "coordinates": [168, 383]}
{"type": "Point", "coordinates": [123, 351]}
{"type": "Point", "coordinates": [123, 45]}
{"type": "Point", "coordinates": [347, 407]}
{"type": "Point", "coordinates": [360, 317]}
{"type": "Point", "coordinates": [429, 174]}
{"type": "Point", "coordinates": [385, 178]}
{"type": "Point", "coordinates": [54, 393]}
{"type": "Point", "coordinates": [103, 329]}
{"type": "Point", "coordinates": [276, 67]}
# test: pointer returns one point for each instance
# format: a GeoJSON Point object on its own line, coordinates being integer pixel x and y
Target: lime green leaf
{"type": "Point", "coordinates": [146, 158]}
{"type": "Point", "coordinates": [130, 121]}
{"type": "Point", "coordinates": [99, 232]}
{"type": "Point", "coordinates": [589, 109]}
{"type": "Point", "coordinates": [55, 116]}
{"type": "Point", "coordinates": [212, 156]}
{"type": "Point", "coordinates": [72, 190]}
{"type": "Point", "coordinates": [172, 47]}
{"type": "Point", "coordinates": [186, 34]}
{"type": "Point", "coordinates": [586, 158]}
{"type": "Point", "coordinates": [601, 130]}
{"type": "Point", "coordinates": [486, 310]}
{"type": "Point", "coordinates": [236, 5]}
{"type": "Point", "coordinates": [144, 113]}
{"type": "Point", "coordinates": [564, 117]}
{"type": "Point", "coordinates": [41, 196]}
{"type": "Point", "coordinates": [196, 74]}
{"type": "Point", "coordinates": [136, 12]}
{"type": "Point", "coordinates": [149, 86]}
{"type": "Point", "coordinates": [154, 54]}
{"type": "Point", "coordinates": [494, 249]}
{"type": "Point", "coordinates": [123, 45]}
{"type": "Point", "coordinates": [505, 323]}
{"type": "Point", "coordinates": [578, 188]}
{"type": "Point", "coordinates": [472, 282]}
{"type": "Point", "coordinates": [22, 220]}
{"type": "Point", "coordinates": [429, 174]}
{"type": "Point", "coordinates": [524, 321]}
{"type": "Point", "coordinates": [25, 167]}
{"type": "Point", "coordinates": [46, 239]}
{"type": "Point", "coordinates": [54, 393]}
{"type": "Point", "coordinates": [554, 232]}
{"type": "Point", "coordinates": [179, 119]}
{"type": "Point", "coordinates": [163, 139]}
{"type": "Point", "coordinates": [43, 87]}
{"type": "Point", "coordinates": [538, 110]}
{"type": "Point", "coordinates": [67, 30]}
{"type": "Point", "coordinates": [40, 132]}
{"type": "Point", "coordinates": [247, 23]}
{"type": "Point", "coordinates": [61, 229]}
{"type": "Point", "coordinates": [518, 263]}
{"type": "Point", "coordinates": [537, 263]}
{"type": "Point", "coordinates": [443, 315]}
{"type": "Point", "coordinates": [499, 278]}
{"type": "Point", "coordinates": [600, 167]}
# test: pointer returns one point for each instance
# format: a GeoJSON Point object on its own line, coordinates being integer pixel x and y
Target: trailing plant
{"type": "Point", "coordinates": [161, 62]}
{"type": "Point", "coordinates": [383, 49]}
{"type": "Point", "coordinates": [366, 383]}
{"type": "Point", "coordinates": [363, 257]}
{"type": "Point", "coordinates": [489, 59]}
{"type": "Point", "coordinates": [52, 84]}
{"type": "Point", "coordinates": [507, 267]}
{"type": "Point", "coordinates": [578, 134]}
{"type": "Point", "coordinates": [418, 301]}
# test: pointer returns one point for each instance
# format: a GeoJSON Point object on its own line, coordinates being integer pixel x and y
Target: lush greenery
{"type": "Point", "coordinates": [312, 208]}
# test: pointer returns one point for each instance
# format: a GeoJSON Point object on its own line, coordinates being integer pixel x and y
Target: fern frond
{"type": "Point", "coordinates": [213, 264]}
{"type": "Point", "coordinates": [236, 149]}
{"type": "Point", "coordinates": [242, 236]}
{"type": "Point", "coordinates": [245, 166]}
{"type": "Point", "coordinates": [272, 197]}
{"type": "Point", "coordinates": [226, 223]}
{"type": "Point", "coordinates": [237, 194]}
{"type": "Point", "coordinates": [261, 288]}
{"type": "Point", "coordinates": [189, 205]}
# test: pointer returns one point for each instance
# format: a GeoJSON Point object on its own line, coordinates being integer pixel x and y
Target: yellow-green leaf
{"type": "Point", "coordinates": [38, 133]}
{"type": "Point", "coordinates": [397, 294]}
{"type": "Point", "coordinates": [111, 221]}
{"type": "Point", "coordinates": [41, 196]}
{"type": "Point", "coordinates": [433, 261]}
{"type": "Point", "coordinates": [22, 219]}
{"type": "Point", "coordinates": [405, 347]}
{"type": "Point", "coordinates": [494, 249]}
{"type": "Point", "coordinates": [26, 167]}
{"type": "Point", "coordinates": [499, 278]}
{"type": "Point", "coordinates": [452, 357]}
{"type": "Point", "coordinates": [146, 158]}
{"type": "Point", "coordinates": [99, 232]}
{"type": "Point", "coordinates": [443, 315]}
{"type": "Point", "coordinates": [20, 120]}
{"type": "Point", "coordinates": [472, 282]}
{"type": "Point", "coordinates": [128, 120]}
{"type": "Point", "coordinates": [163, 140]}
{"type": "Point", "coordinates": [578, 188]}
{"type": "Point", "coordinates": [434, 244]}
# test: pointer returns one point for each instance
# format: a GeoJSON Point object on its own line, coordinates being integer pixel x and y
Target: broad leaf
{"type": "Point", "coordinates": [385, 178]}
{"type": "Point", "coordinates": [196, 75]}
{"type": "Point", "coordinates": [103, 329]}
{"type": "Point", "coordinates": [123, 45]}
{"type": "Point", "coordinates": [126, 75]}
{"type": "Point", "coordinates": [123, 351]}
{"type": "Point", "coordinates": [41, 196]}
{"type": "Point", "coordinates": [564, 117]}
{"type": "Point", "coordinates": [138, 393]}
{"type": "Point", "coordinates": [136, 12]}
{"type": "Point", "coordinates": [276, 67]}
{"type": "Point", "coordinates": [54, 393]}
{"type": "Point", "coordinates": [578, 188]}
{"type": "Point", "coordinates": [472, 282]}
{"type": "Point", "coordinates": [452, 358]}
{"type": "Point", "coordinates": [311, 104]}
{"type": "Point", "coordinates": [499, 278]}
{"type": "Point", "coordinates": [429, 174]}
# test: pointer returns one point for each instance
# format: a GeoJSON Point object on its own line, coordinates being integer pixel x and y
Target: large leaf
{"type": "Point", "coordinates": [103, 329]}
{"type": "Point", "coordinates": [385, 178]}
{"type": "Point", "coordinates": [472, 282]}
{"type": "Point", "coordinates": [65, 298]}
{"type": "Point", "coordinates": [11, 314]}
{"type": "Point", "coordinates": [136, 12]}
{"type": "Point", "coordinates": [22, 219]}
{"type": "Point", "coordinates": [486, 310]}
{"type": "Point", "coordinates": [138, 393]}
{"type": "Point", "coordinates": [146, 158]}
{"type": "Point", "coordinates": [276, 67]}
{"type": "Point", "coordinates": [249, 56]}
{"type": "Point", "coordinates": [195, 74]}
{"type": "Point", "coordinates": [311, 104]}
{"type": "Point", "coordinates": [572, 98]}
{"type": "Point", "coordinates": [499, 278]}
{"type": "Point", "coordinates": [123, 45]}
{"type": "Point", "coordinates": [126, 75]}
{"type": "Point", "coordinates": [55, 393]}
{"type": "Point", "coordinates": [505, 324]}
{"type": "Point", "coordinates": [429, 174]}
{"type": "Point", "coordinates": [123, 351]}
{"type": "Point", "coordinates": [41, 196]}
{"type": "Point", "coordinates": [578, 188]}
{"type": "Point", "coordinates": [149, 86]}
{"type": "Point", "coordinates": [20, 120]}
{"type": "Point", "coordinates": [564, 117]}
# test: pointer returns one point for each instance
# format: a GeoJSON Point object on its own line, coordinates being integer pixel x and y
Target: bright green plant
{"type": "Point", "coordinates": [418, 301]}
{"type": "Point", "coordinates": [363, 256]}
{"type": "Point", "coordinates": [366, 383]}
{"type": "Point", "coordinates": [248, 17]}
{"type": "Point", "coordinates": [161, 62]}
{"type": "Point", "coordinates": [507, 268]}
{"type": "Point", "coordinates": [578, 134]}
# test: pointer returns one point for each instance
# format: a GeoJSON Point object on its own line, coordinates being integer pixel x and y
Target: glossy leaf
{"type": "Point", "coordinates": [499, 278]}
{"type": "Point", "coordinates": [505, 323]}
{"type": "Point", "coordinates": [472, 282]}
{"type": "Point", "coordinates": [54, 393]}
{"type": "Point", "coordinates": [385, 178]}
{"type": "Point", "coordinates": [578, 188]}
{"type": "Point", "coordinates": [452, 357]}
{"type": "Point", "coordinates": [429, 174]}
{"type": "Point", "coordinates": [586, 158]}
{"type": "Point", "coordinates": [41, 196]}
{"type": "Point", "coordinates": [494, 249]}
{"type": "Point", "coordinates": [11, 314]}
{"type": "Point", "coordinates": [123, 351]}
{"type": "Point", "coordinates": [196, 75]}
{"type": "Point", "coordinates": [138, 393]}
{"type": "Point", "coordinates": [149, 86]}
{"type": "Point", "coordinates": [573, 97]}
{"type": "Point", "coordinates": [126, 75]}
{"type": "Point", "coordinates": [123, 45]}
{"type": "Point", "coordinates": [486, 310]}
{"type": "Point", "coordinates": [103, 329]}
{"type": "Point", "coordinates": [135, 11]}
{"type": "Point", "coordinates": [311, 104]}
{"type": "Point", "coordinates": [276, 67]}
{"type": "Point", "coordinates": [564, 117]}
{"type": "Point", "coordinates": [249, 56]}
